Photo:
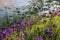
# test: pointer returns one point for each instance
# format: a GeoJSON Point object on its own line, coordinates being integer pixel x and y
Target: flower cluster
{"type": "Point", "coordinates": [33, 29]}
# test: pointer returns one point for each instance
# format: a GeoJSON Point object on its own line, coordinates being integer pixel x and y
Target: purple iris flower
{"type": "Point", "coordinates": [52, 35]}
{"type": "Point", "coordinates": [14, 26]}
{"type": "Point", "coordinates": [25, 33]}
{"type": "Point", "coordinates": [4, 34]}
{"type": "Point", "coordinates": [9, 31]}
{"type": "Point", "coordinates": [22, 25]}
{"type": "Point", "coordinates": [48, 31]}
{"type": "Point", "coordinates": [51, 12]}
{"type": "Point", "coordinates": [24, 22]}
{"type": "Point", "coordinates": [4, 31]}
{"type": "Point", "coordinates": [1, 38]}
{"type": "Point", "coordinates": [40, 38]}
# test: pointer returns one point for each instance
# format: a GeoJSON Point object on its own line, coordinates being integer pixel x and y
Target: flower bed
{"type": "Point", "coordinates": [43, 27]}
